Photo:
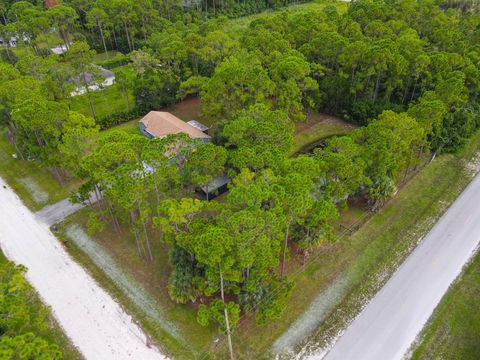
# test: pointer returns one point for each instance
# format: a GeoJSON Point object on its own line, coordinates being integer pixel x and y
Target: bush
{"type": "Point", "coordinates": [117, 61]}
{"type": "Point", "coordinates": [118, 118]}
{"type": "Point", "coordinates": [156, 89]}
{"type": "Point", "coordinates": [8, 57]}
{"type": "Point", "coordinates": [364, 111]}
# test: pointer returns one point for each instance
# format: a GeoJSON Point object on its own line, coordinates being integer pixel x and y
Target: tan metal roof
{"type": "Point", "coordinates": [161, 124]}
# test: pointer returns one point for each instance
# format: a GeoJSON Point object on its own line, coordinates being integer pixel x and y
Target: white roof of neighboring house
{"type": "Point", "coordinates": [60, 49]}
{"type": "Point", "coordinates": [107, 74]}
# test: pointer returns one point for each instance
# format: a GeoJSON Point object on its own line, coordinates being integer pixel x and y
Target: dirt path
{"type": "Point", "coordinates": [56, 213]}
{"type": "Point", "coordinates": [92, 319]}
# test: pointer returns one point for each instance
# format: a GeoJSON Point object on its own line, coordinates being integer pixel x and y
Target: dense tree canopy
{"type": "Point", "coordinates": [407, 72]}
{"type": "Point", "coordinates": [23, 318]}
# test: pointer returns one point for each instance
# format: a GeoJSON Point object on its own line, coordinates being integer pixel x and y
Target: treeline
{"type": "Point", "coordinates": [378, 56]}
{"type": "Point", "coordinates": [408, 72]}
{"type": "Point", "coordinates": [24, 320]}
{"type": "Point", "coordinates": [121, 25]}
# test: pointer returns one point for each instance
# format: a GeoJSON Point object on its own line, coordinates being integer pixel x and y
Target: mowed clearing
{"type": "Point", "coordinates": [318, 126]}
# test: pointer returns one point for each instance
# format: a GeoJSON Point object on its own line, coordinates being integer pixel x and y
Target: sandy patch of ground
{"type": "Point", "coordinates": [473, 166]}
{"type": "Point", "coordinates": [90, 317]}
{"type": "Point", "coordinates": [38, 195]}
{"type": "Point", "coordinates": [135, 292]}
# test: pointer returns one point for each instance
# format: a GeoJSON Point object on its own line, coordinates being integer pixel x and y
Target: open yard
{"type": "Point", "coordinates": [139, 285]}
{"type": "Point", "coordinates": [453, 331]}
{"type": "Point", "coordinates": [318, 126]}
{"type": "Point", "coordinates": [111, 54]}
{"type": "Point", "coordinates": [106, 102]}
{"type": "Point", "coordinates": [235, 25]}
{"type": "Point", "coordinates": [36, 186]}
{"type": "Point", "coordinates": [367, 250]}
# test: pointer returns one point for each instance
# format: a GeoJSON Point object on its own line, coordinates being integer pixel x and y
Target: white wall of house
{"type": "Point", "coordinates": [82, 90]}
{"type": "Point", "coordinates": [12, 42]}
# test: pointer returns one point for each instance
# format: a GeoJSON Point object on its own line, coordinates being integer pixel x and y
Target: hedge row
{"type": "Point", "coordinates": [118, 118]}
{"type": "Point", "coordinates": [115, 62]}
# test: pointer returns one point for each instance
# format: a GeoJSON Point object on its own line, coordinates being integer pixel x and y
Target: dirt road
{"type": "Point", "coordinates": [90, 317]}
{"type": "Point", "coordinates": [391, 321]}
{"type": "Point", "coordinates": [56, 213]}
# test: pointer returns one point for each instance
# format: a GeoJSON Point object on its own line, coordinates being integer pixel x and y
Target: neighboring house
{"type": "Point", "coordinates": [159, 124]}
{"type": "Point", "coordinates": [60, 49]}
{"type": "Point", "coordinates": [217, 187]}
{"type": "Point", "coordinates": [12, 42]}
{"type": "Point", "coordinates": [107, 75]}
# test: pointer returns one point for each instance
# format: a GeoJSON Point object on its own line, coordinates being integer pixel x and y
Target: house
{"type": "Point", "coordinates": [12, 42]}
{"type": "Point", "coordinates": [159, 124]}
{"type": "Point", "coordinates": [108, 80]}
{"type": "Point", "coordinates": [60, 49]}
{"type": "Point", "coordinates": [216, 187]}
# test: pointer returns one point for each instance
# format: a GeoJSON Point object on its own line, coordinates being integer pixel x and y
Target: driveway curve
{"type": "Point", "coordinates": [90, 317]}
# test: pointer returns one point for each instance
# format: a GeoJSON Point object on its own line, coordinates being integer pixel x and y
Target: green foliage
{"type": "Point", "coordinates": [28, 346]}
{"type": "Point", "coordinates": [185, 282]}
{"type": "Point", "coordinates": [121, 117]}
{"type": "Point", "coordinates": [370, 65]}
{"type": "Point", "coordinates": [258, 138]}
{"type": "Point", "coordinates": [238, 83]}
{"type": "Point", "coordinates": [216, 312]}
{"type": "Point", "coordinates": [268, 300]}
{"type": "Point", "coordinates": [156, 89]}
{"type": "Point", "coordinates": [22, 318]}
{"type": "Point", "coordinates": [204, 164]}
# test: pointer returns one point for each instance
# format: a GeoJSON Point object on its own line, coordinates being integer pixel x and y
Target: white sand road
{"type": "Point", "coordinates": [389, 324]}
{"type": "Point", "coordinates": [90, 317]}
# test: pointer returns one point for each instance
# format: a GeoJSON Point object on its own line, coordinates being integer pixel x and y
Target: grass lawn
{"type": "Point", "coordinates": [149, 280]}
{"type": "Point", "coordinates": [111, 54]}
{"type": "Point", "coordinates": [367, 251]}
{"type": "Point", "coordinates": [238, 24]}
{"type": "Point", "coordinates": [109, 101]}
{"type": "Point", "coordinates": [50, 40]}
{"type": "Point", "coordinates": [36, 186]}
{"type": "Point", "coordinates": [105, 102]}
{"type": "Point", "coordinates": [360, 262]}
{"type": "Point", "coordinates": [54, 333]}
{"type": "Point", "coordinates": [453, 331]}
{"type": "Point", "coordinates": [318, 126]}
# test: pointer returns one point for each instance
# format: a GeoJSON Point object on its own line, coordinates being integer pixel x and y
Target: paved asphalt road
{"type": "Point", "coordinates": [390, 322]}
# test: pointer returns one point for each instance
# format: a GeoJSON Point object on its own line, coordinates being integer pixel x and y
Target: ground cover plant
{"type": "Point", "coordinates": [27, 327]}
{"type": "Point", "coordinates": [453, 330]}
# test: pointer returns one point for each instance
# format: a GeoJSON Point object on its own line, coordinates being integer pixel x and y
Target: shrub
{"type": "Point", "coordinates": [117, 61]}
{"type": "Point", "coordinates": [118, 118]}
